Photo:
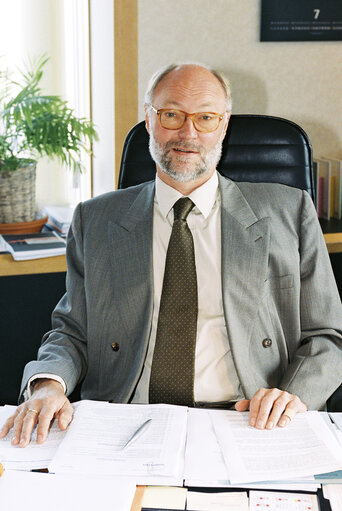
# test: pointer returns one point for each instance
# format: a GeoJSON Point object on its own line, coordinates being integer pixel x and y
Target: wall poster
{"type": "Point", "coordinates": [301, 20]}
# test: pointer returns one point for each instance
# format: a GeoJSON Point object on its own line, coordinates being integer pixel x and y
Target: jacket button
{"type": "Point", "coordinates": [115, 346]}
{"type": "Point", "coordinates": [267, 343]}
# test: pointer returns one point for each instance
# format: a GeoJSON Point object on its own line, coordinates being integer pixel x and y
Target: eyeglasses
{"type": "Point", "coordinates": [171, 119]}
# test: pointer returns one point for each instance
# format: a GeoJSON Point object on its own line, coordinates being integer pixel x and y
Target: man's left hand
{"type": "Point", "coordinates": [271, 407]}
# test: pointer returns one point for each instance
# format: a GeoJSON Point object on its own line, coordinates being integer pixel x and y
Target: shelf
{"type": "Point", "coordinates": [331, 226]}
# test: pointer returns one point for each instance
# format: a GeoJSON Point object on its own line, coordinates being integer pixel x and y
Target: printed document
{"type": "Point", "coordinates": [305, 447]}
{"type": "Point", "coordinates": [33, 456]}
{"type": "Point", "coordinates": [95, 439]}
{"type": "Point", "coordinates": [275, 501]}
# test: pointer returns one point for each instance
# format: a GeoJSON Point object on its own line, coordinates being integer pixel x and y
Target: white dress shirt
{"type": "Point", "coordinates": [215, 375]}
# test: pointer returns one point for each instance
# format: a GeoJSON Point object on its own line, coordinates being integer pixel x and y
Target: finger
{"type": "Point", "coordinates": [8, 424]}
{"type": "Point", "coordinates": [258, 409]}
{"type": "Point", "coordinates": [24, 426]}
{"type": "Point", "coordinates": [279, 406]}
{"type": "Point", "coordinates": [44, 421]}
{"type": "Point", "coordinates": [294, 407]}
{"type": "Point", "coordinates": [17, 425]}
{"type": "Point", "coordinates": [65, 415]}
{"type": "Point", "coordinates": [242, 406]}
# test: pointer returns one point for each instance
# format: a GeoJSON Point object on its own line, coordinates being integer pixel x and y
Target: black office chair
{"type": "Point", "coordinates": [257, 148]}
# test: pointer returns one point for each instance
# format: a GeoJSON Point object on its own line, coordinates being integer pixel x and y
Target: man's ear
{"type": "Point", "coordinates": [147, 118]}
{"type": "Point", "coordinates": [226, 124]}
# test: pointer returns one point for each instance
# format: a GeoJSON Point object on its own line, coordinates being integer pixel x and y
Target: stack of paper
{"type": "Point", "coordinates": [60, 217]}
{"type": "Point", "coordinates": [96, 438]}
{"type": "Point", "coordinates": [305, 447]}
{"type": "Point", "coordinates": [34, 456]}
{"type": "Point", "coordinates": [204, 447]}
{"type": "Point", "coordinates": [34, 246]}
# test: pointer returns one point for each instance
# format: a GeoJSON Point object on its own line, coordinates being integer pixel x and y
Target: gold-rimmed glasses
{"type": "Point", "coordinates": [172, 119]}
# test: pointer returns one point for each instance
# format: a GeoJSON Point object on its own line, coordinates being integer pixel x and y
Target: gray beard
{"type": "Point", "coordinates": [161, 156]}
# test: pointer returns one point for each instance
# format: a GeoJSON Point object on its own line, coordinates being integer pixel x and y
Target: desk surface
{"type": "Point", "coordinates": [333, 241]}
{"type": "Point", "coordinates": [45, 265]}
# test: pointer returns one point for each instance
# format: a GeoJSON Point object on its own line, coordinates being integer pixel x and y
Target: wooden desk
{"type": "Point", "coordinates": [333, 241]}
{"type": "Point", "coordinates": [45, 265]}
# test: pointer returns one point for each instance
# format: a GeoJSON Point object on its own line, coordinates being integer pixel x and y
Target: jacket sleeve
{"type": "Point", "coordinates": [315, 371]}
{"type": "Point", "coordinates": [63, 351]}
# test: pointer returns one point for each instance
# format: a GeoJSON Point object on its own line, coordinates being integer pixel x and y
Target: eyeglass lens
{"type": "Point", "coordinates": [203, 121]}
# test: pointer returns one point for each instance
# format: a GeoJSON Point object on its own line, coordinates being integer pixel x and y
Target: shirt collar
{"type": "Point", "coordinates": [203, 197]}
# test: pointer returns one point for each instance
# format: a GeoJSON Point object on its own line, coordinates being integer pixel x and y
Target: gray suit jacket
{"type": "Point", "coordinates": [277, 285]}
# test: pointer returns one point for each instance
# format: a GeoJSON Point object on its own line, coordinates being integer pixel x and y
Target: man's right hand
{"type": "Point", "coordinates": [46, 403]}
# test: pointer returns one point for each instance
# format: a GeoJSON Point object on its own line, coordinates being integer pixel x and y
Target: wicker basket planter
{"type": "Point", "coordinates": [18, 194]}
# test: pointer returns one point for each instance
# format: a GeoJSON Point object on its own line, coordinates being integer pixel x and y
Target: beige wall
{"type": "Point", "coordinates": [298, 81]}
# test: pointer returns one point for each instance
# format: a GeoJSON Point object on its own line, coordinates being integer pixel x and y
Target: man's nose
{"type": "Point", "coordinates": [188, 129]}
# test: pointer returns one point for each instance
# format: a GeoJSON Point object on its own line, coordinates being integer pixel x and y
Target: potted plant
{"type": "Point", "coordinates": [33, 125]}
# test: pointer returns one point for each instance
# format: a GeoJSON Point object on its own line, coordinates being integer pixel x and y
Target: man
{"type": "Point", "coordinates": [268, 315]}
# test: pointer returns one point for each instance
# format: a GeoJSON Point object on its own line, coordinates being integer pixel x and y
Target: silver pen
{"type": "Point", "coordinates": [137, 433]}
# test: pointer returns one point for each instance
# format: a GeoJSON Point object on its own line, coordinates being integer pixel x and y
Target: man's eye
{"type": "Point", "coordinates": [170, 115]}
{"type": "Point", "coordinates": [206, 117]}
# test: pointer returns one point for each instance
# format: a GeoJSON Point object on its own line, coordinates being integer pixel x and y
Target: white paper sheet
{"type": "Point", "coordinates": [33, 456]}
{"type": "Point", "coordinates": [304, 447]}
{"type": "Point", "coordinates": [94, 441]}
{"type": "Point", "coordinates": [276, 501]}
{"type": "Point", "coordinates": [200, 501]}
{"type": "Point", "coordinates": [337, 418]}
{"type": "Point", "coordinates": [204, 464]}
{"type": "Point", "coordinates": [33, 491]}
{"type": "Point", "coordinates": [160, 497]}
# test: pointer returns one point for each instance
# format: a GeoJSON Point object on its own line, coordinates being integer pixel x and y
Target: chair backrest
{"type": "Point", "coordinates": [257, 148]}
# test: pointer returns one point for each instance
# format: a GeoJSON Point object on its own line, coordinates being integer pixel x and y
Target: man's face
{"type": "Point", "coordinates": [186, 154]}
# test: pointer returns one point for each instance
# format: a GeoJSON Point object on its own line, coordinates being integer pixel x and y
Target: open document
{"type": "Point", "coordinates": [305, 447]}
{"type": "Point", "coordinates": [32, 457]}
{"type": "Point", "coordinates": [204, 462]}
{"type": "Point", "coordinates": [98, 441]}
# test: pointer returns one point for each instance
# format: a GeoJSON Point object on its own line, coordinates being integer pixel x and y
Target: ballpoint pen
{"type": "Point", "coordinates": [137, 433]}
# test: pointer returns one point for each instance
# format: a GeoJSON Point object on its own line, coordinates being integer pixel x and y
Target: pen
{"type": "Point", "coordinates": [2, 470]}
{"type": "Point", "coordinates": [137, 433]}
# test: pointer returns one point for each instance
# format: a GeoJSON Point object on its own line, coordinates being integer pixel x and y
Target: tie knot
{"type": "Point", "coordinates": [182, 208]}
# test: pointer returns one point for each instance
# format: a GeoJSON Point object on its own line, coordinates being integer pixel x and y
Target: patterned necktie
{"type": "Point", "coordinates": [173, 364]}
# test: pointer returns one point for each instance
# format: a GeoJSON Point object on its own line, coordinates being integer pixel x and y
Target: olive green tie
{"type": "Point", "coordinates": [173, 364]}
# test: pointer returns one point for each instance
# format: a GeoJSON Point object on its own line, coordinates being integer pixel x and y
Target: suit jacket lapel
{"type": "Point", "coordinates": [245, 248]}
{"type": "Point", "coordinates": [131, 241]}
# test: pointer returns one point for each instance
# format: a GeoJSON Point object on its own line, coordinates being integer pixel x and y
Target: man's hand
{"type": "Point", "coordinates": [47, 402]}
{"type": "Point", "coordinates": [271, 407]}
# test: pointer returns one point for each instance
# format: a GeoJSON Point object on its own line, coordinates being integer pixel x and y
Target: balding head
{"type": "Point", "coordinates": [177, 70]}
